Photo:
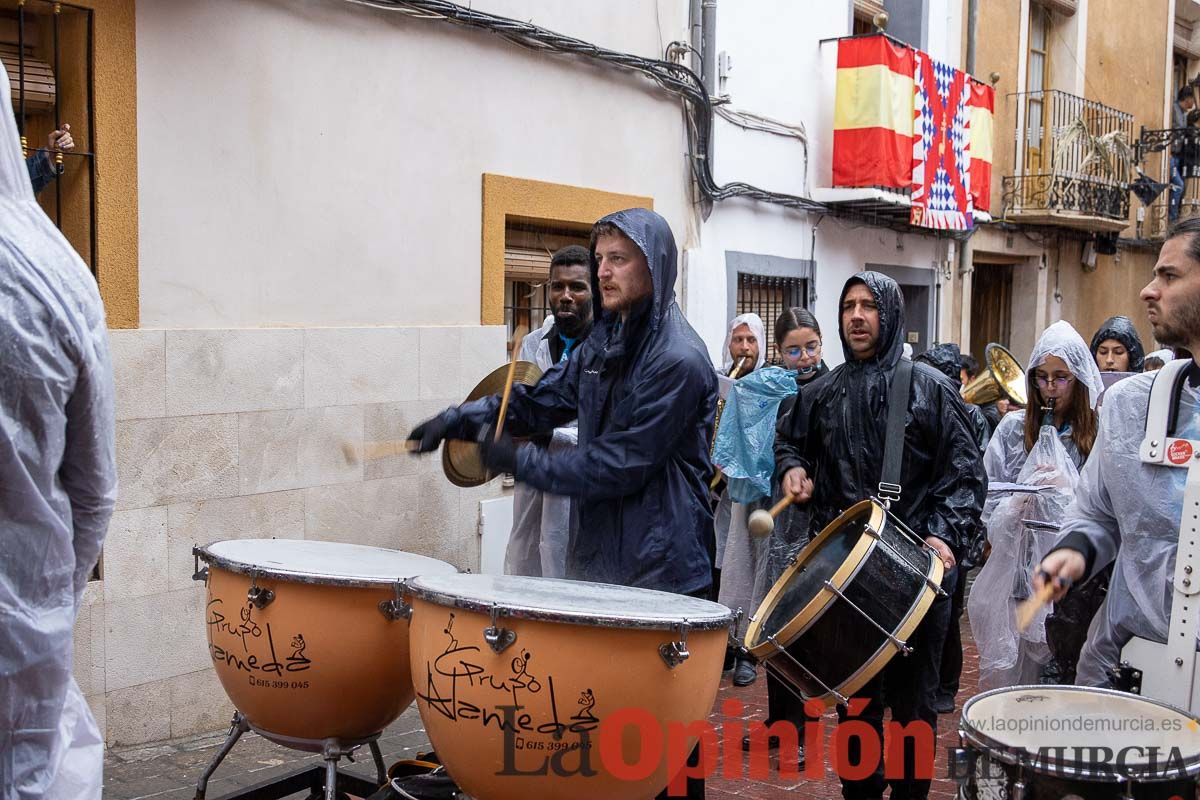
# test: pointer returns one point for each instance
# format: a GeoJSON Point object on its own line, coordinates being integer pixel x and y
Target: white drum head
{"type": "Point", "coordinates": [577, 602]}
{"type": "Point", "coordinates": [319, 562]}
{"type": "Point", "coordinates": [1036, 719]}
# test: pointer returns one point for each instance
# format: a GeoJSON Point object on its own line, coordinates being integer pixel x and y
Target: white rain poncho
{"type": "Point", "coordinates": [1007, 658]}
{"type": "Point", "coordinates": [756, 327]}
{"type": "Point", "coordinates": [57, 488]}
{"type": "Point", "coordinates": [1130, 511]}
{"type": "Point", "coordinates": [541, 531]}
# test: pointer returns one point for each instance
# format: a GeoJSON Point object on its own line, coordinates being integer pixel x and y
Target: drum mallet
{"type": "Point", "coordinates": [762, 522]}
{"type": "Point", "coordinates": [1029, 607]}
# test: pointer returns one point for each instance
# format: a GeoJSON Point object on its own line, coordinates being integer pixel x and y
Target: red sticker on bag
{"type": "Point", "coordinates": [1179, 451]}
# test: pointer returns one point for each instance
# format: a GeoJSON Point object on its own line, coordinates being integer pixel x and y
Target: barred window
{"type": "Point", "coordinates": [768, 296]}
{"type": "Point", "coordinates": [46, 48]}
{"type": "Point", "coordinates": [527, 251]}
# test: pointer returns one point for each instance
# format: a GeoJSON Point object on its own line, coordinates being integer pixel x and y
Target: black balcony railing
{"type": "Point", "coordinates": [1161, 151]}
{"type": "Point", "coordinates": [1073, 160]}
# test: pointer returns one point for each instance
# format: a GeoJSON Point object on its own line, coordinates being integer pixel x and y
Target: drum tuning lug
{"type": "Point", "coordinates": [198, 573]}
{"type": "Point", "coordinates": [960, 765]}
{"type": "Point", "coordinates": [257, 595]}
{"type": "Point", "coordinates": [675, 653]}
{"type": "Point", "coordinates": [733, 626]}
{"type": "Point", "coordinates": [396, 609]}
{"type": "Point", "coordinates": [499, 639]}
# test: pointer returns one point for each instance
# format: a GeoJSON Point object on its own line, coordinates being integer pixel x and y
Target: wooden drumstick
{"type": "Point", "coordinates": [1032, 604]}
{"type": "Point", "coordinates": [518, 335]}
{"type": "Point", "coordinates": [762, 522]}
{"type": "Point", "coordinates": [372, 451]}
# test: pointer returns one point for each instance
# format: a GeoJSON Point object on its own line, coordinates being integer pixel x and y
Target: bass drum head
{"type": "Point", "coordinates": [1150, 740]}
{"type": "Point", "coordinates": [305, 561]}
{"type": "Point", "coordinates": [576, 602]}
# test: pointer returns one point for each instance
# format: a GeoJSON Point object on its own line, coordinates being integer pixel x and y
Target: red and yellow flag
{"type": "Point", "coordinates": [873, 114]}
{"type": "Point", "coordinates": [982, 104]}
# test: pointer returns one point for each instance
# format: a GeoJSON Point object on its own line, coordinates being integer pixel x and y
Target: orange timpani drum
{"type": "Point", "coordinates": [515, 678]}
{"type": "Point", "coordinates": [310, 639]}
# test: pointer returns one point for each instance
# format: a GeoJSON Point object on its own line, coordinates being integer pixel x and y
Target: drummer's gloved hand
{"type": "Point", "coordinates": [499, 455]}
{"type": "Point", "coordinates": [430, 433]}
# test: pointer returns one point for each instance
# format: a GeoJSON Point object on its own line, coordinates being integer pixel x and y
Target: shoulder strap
{"type": "Point", "coordinates": [893, 446]}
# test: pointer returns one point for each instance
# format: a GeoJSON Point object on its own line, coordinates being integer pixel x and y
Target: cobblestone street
{"type": "Point", "coordinates": [168, 771]}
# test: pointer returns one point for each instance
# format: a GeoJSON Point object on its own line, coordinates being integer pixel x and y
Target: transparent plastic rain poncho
{"type": "Point", "coordinates": [1130, 511]}
{"type": "Point", "coordinates": [541, 531]}
{"type": "Point", "coordinates": [745, 446]}
{"type": "Point", "coordinates": [57, 487]}
{"type": "Point", "coordinates": [1007, 658]}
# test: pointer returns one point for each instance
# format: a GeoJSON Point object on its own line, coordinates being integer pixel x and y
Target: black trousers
{"type": "Point", "coordinates": [910, 683]}
{"type": "Point", "coordinates": [952, 653]}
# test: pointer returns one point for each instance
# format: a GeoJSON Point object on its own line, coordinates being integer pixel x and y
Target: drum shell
{"type": "Point", "coordinates": [992, 779]}
{"type": "Point", "coordinates": [832, 638]}
{"type": "Point", "coordinates": [621, 668]}
{"type": "Point", "coordinates": [357, 680]}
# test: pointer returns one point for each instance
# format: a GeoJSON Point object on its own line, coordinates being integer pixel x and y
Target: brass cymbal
{"type": "Point", "coordinates": [460, 459]}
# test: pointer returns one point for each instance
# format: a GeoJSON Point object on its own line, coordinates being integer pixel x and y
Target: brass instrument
{"type": "Point", "coordinates": [737, 369]}
{"type": "Point", "coordinates": [1004, 377]}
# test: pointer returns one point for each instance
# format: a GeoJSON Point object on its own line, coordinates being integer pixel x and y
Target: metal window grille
{"type": "Point", "coordinates": [48, 51]}
{"type": "Point", "coordinates": [768, 296]}
{"type": "Point", "coordinates": [525, 303]}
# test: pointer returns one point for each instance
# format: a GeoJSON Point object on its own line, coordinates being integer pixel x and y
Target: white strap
{"type": "Point", "coordinates": [1163, 396]}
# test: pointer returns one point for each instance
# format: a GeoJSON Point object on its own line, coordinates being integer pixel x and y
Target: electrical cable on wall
{"type": "Point", "coordinates": [674, 78]}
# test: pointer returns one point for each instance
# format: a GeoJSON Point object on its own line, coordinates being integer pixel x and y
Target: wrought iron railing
{"type": "Point", "coordinates": [1156, 149]}
{"type": "Point", "coordinates": [1072, 157]}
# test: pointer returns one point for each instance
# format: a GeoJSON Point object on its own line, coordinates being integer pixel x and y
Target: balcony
{"type": "Point", "coordinates": [1154, 149]}
{"type": "Point", "coordinates": [1074, 160]}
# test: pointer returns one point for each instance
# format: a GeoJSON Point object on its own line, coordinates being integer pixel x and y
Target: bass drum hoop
{"type": "Point", "coordinates": [1020, 757]}
{"type": "Point", "coordinates": [448, 599]}
{"type": "Point", "coordinates": [817, 607]}
{"type": "Point", "coordinates": [314, 579]}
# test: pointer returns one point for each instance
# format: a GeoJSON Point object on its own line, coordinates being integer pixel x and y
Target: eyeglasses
{"type": "Point", "coordinates": [795, 352]}
{"type": "Point", "coordinates": [1060, 382]}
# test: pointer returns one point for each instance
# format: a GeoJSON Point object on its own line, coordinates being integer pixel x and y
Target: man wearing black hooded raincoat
{"type": "Point", "coordinates": [644, 392]}
{"type": "Point", "coordinates": [836, 434]}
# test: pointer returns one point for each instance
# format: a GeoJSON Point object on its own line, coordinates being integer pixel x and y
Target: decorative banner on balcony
{"type": "Point", "coordinates": [941, 166]}
{"type": "Point", "coordinates": [983, 106]}
{"type": "Point", "coordinates": [873, 113]}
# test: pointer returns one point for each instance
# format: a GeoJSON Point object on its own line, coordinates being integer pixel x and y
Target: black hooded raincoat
{"type": "Point", "coordinates": [837, 430]}
{"type": "Point", "coordinates": [644, 393]}
{"type": "Point", "coordinates": [1122, 329]}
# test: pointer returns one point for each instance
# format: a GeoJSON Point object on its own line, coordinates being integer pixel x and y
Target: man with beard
{"type": "Point", "coordinates": [541, 528]}
{"type": "Point", "coordinates": [1127, 512]}
{"type": "Point", "coordinates": [837, 434]}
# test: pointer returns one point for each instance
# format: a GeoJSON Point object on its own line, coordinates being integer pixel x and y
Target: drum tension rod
{"type": "Point", "coordinates": [396, 609]}
{"type": "Point", "coordinates": [499, 639]}
{"type": "Point", "coordinates": [198, 573]}
{"type": "Point", "coordinates": [874, 534]}
{"type": "Point", "coordinates": [261, 597]}
{"type": "Point", "coordinates": [897, 643]}
{"type": "Point", "coordinates": [841, 698]}
{"type": "Point", "coordinates": [675, 653]}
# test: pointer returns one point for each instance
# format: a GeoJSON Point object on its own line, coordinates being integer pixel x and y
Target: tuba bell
{"type": "Point", "coordinates": [1004, 377]}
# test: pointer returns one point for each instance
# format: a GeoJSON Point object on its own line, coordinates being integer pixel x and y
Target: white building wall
{"type": "Point", "coordinates": [781, 70]}
{"type": "Point", "coordinates": [310, 189]}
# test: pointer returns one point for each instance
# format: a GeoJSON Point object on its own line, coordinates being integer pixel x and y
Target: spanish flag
{"type": "Point", "coordinates": [982, 104]}
{"type": "Point", "coordinates": [873, 113]}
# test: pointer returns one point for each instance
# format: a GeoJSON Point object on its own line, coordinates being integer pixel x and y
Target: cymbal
{"type": "Point", "coordinates": [460, 459]}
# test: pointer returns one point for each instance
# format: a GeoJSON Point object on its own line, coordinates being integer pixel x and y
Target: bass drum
{"type": "Point", "coordinates": [846, 605]}
{"type": "Point", "coordinates": [516, 678]}
{"type": "Point", "coordinates": [305, 637]}
{"type": "Point", "coordinates": [1075, 743]}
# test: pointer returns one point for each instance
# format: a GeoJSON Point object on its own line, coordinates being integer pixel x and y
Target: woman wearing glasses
{"type": "Point", "coordinates": [1042, 445]}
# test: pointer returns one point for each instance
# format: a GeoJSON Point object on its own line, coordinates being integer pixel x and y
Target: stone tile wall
{"type": "Point", "coordinates": [255, 433]}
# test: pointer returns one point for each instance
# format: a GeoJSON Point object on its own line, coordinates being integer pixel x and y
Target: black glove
{"type": "Point", "coordinates": [498, 455]}
{"type": "Point", "coordinates": [430, 433]}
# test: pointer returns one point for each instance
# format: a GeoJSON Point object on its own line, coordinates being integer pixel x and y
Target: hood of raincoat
{"type": "Point", "coordinates": [1062, 340]}
{"type": "Point", "coordinates": [757, 328]}
{"type": "Point", "coordinates": [1121, 329]}
{"type": "Point", "coordinates": [890, 302]}
{"type": "Point", "coordinates": [651, 233]}
{"type": "Point", "coordinates": [57, 486]}
{"type": "Point", "coordinates": [945, 358]}
{"type": "Point", "coordinates": [1164, 355]}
